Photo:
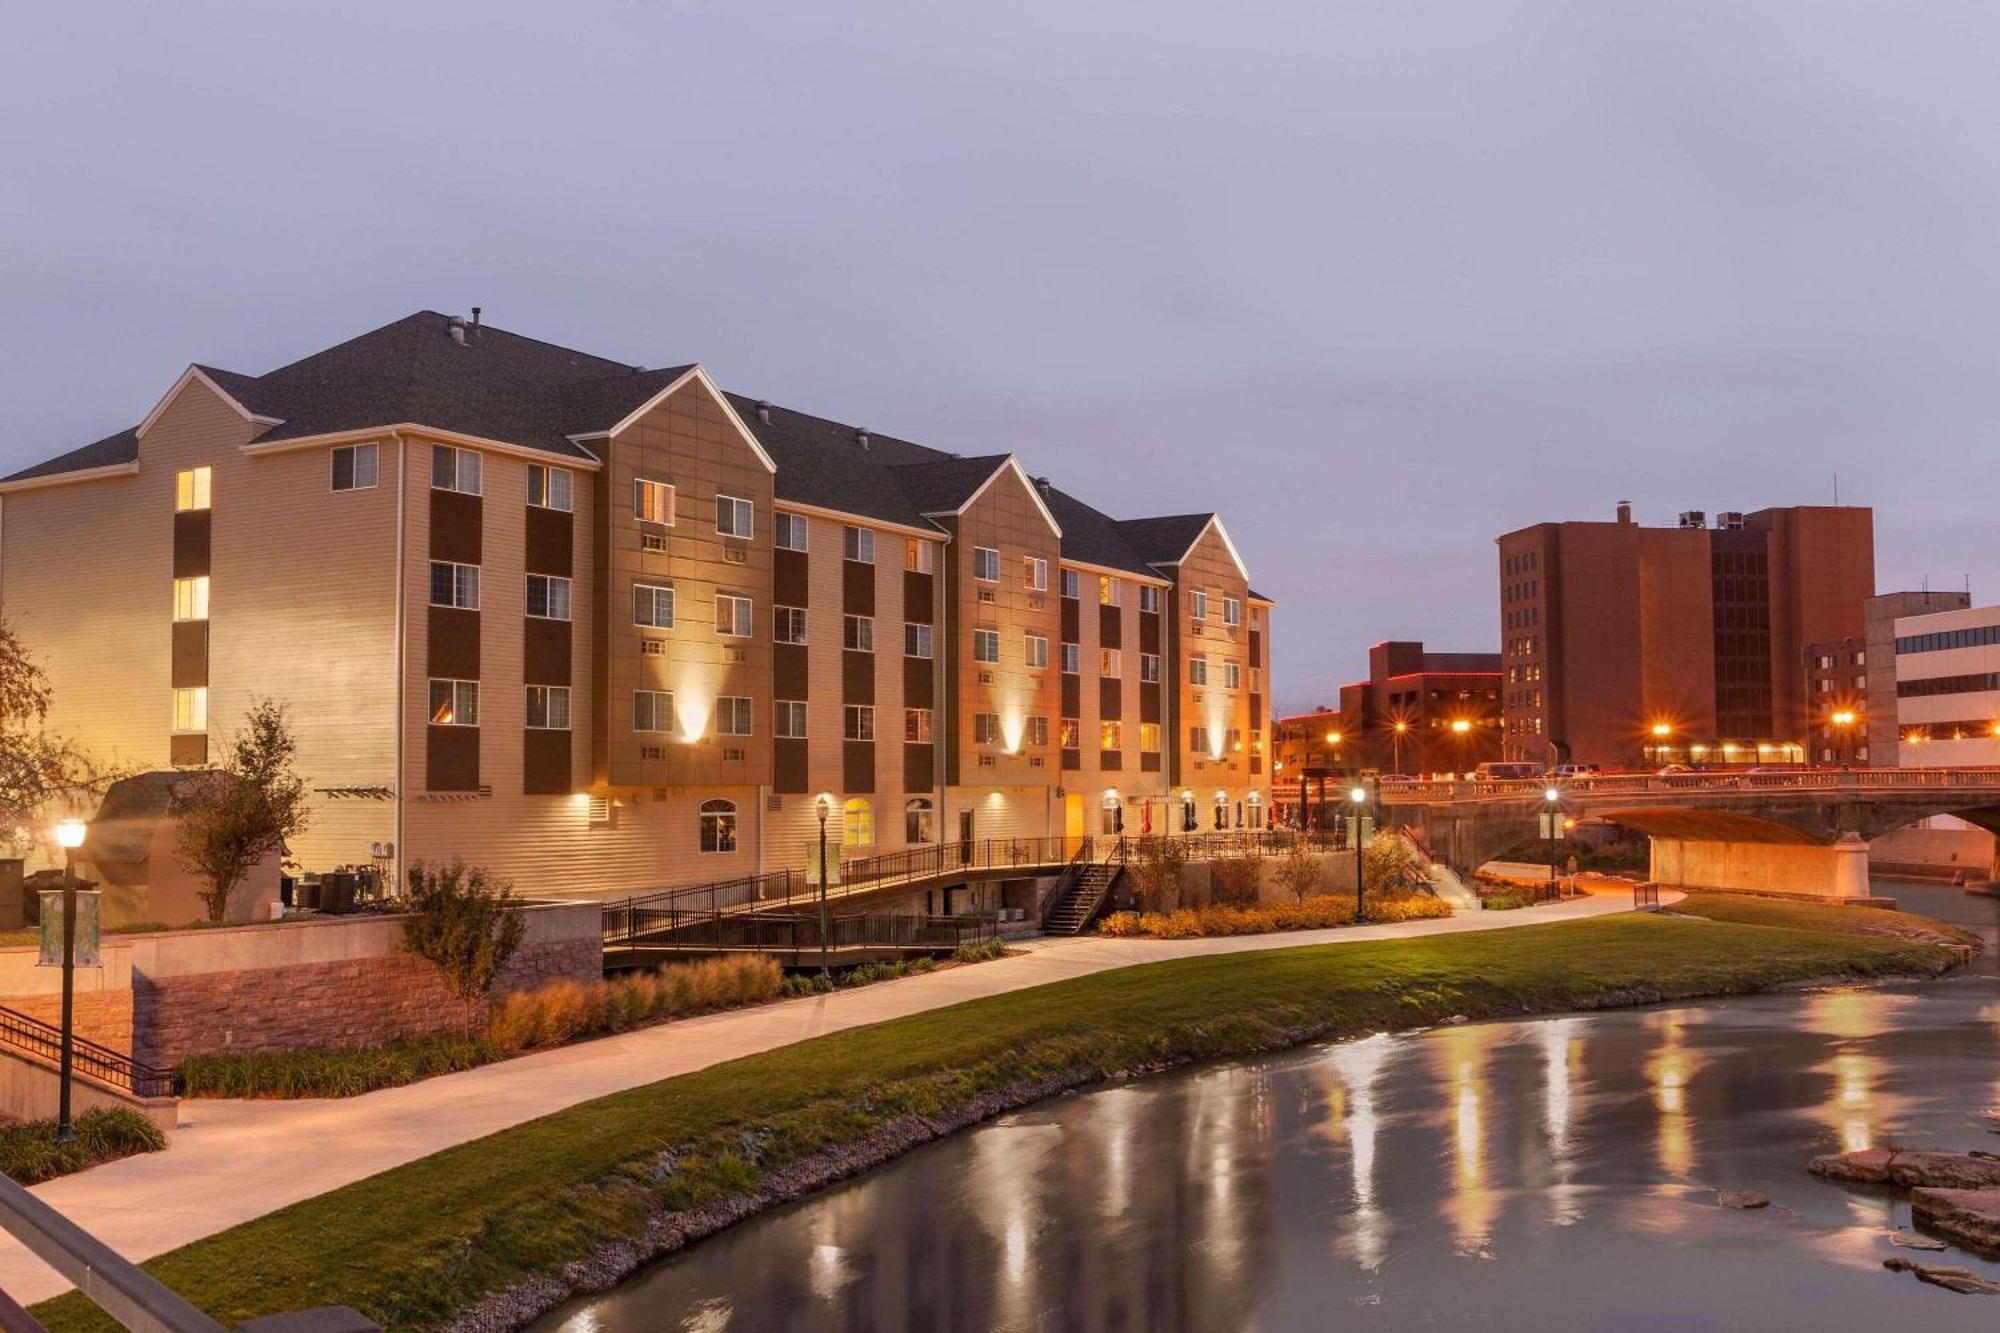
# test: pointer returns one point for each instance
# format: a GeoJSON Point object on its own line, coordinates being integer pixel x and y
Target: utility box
{"type": "Point", "coordinates": [13, 899]}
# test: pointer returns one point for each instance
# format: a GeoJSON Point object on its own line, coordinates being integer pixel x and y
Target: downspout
{"type": "Point", "coordinates": [941, 692]}
{"type": "Point", "coordinates": [402, 658]}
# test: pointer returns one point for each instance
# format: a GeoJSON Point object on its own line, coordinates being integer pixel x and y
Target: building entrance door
{"type": "Point", "coordinates": [1072, 823]}
{"type": "Point", "coordinates": [965, 837]}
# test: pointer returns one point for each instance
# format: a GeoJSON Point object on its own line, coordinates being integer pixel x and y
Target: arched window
{"type": "Point", "coordinates": [1222, 809]}
{"type": "Point", "coordinates": [718, 826]}
{"type": "Point", "coordinates": [919, 820]}
{"type": "Point", "coordinates": [857, 823]}
{"type": "Point", "coordinates": [1113, 814]}
{"type": "Point", "coordinates": [1188, 822]}
{"type": "Point", "coordinates": [1256, 809]}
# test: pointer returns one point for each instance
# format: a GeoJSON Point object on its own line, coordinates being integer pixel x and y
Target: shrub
{"type": "Point", "coordinates": [984, 951]}
{"type": "Point", "coordinates": [331, 1072]}
{"type": "Point", "coordinates": [1157, 868]}
{"type": "Point", "coordinates": [567, 1010]}
{"type": "Point", "coordinates": [1298, 869]}
{"type": "Point", "coordinates": [1309, 914]}
{"type": "Point", "coordinates": [1234, 877]}
{"type": "Point", "coordinates": [465, 922]}
{"type": "Point", "coordinates": [29, 1153]}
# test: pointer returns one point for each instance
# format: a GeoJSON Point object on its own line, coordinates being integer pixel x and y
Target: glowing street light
{"type": "Point", "coordinates": [825, 808]}
{"type": "Point", "coordinates": [1358, 795]}
{"type": "Point", "coordinates": [1553, 817]}
{"type": "Point", "coordinates": [69, 836]}
{"type": "Point", "coordinates": [1398, 730]}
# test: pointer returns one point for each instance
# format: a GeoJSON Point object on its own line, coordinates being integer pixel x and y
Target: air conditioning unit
{"type": "Point", "coordinates": [381, 851]}
{"type": "Point", "coordinates": [1694, 518]}
{"type": "Point", "coordinates": [1729, 518]}
{"type": "Point", "coordinates": [735, 555]}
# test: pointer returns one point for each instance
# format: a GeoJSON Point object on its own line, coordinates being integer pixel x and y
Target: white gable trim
{"type": "Point", "coordinates": [194, 374]}
{"type": "Point", "coordinates": [1215, 521]}
{"type": "Point", "coordinates": [1034, 493]}
{"type": "Point", "coordinates": [721, 399]}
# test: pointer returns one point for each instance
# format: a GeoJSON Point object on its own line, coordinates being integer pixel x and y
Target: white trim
{"type": "Point", "coordinates": [195, 373]}
{"type": "Point", "coordinates": [1153, 580]}
{"type": "Point", "coordinates": [427, 434]}
{"type": "Point", "coordinates": [1034, 493]}
{"type": "Point", "coordinates": [694, 372]}
{"type": "Point", "coordinates": [1214, 521]}
{"type": "Point", "coordinates": [62, 478]}
{"type": "Point", "coordinates": [934, 534]}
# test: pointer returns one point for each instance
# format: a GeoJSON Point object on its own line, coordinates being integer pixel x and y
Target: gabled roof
{"type": "Point", "coordinates": [942, 486]}
{"type": "Point", "coordinates": [110, 451]}
{"type": "Point", "coordinates": [1091, 536]}
{"type": "Point", "coordinates": [1164, 540]}
{"type": "Point", "coordinates": [823, 463]}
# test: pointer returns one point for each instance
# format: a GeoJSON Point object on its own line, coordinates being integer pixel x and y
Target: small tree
{"type": "Point", "coordinates": [465, 922]}
{"type": "Point", "coordinates": [233, 817]}
{"type": "Point", "coordinates": [40, 771]}
{"type": "Point", "coordinates": [1298, 869]}
{"type": "Point", "coordinates": [1158, 869]}
{"type": "Point", "coordinates": [1234, 877]}
{"type": "Point", "coordinates": [1388, 865]}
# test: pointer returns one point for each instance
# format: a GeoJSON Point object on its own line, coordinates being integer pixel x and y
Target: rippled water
{"type": "Point", "coordinates": [1553, 1174]}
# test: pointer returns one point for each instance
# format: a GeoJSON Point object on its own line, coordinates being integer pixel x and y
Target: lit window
{"type": "Point", "coordinates": [1107, 590]}
{"type": "Point", "coordinates": [548, 707]}
{"type": "Point", "coordinates": [1149, 737]}
{"type": "Point", "coordinates": [916, 640]}
{"type": "Point", "coordinates": [1110, 662]}
{"type": "Point", "coordinates": [1072, 659]}
{"type": "Point", "coordinates": [986, 645]}
{"type": "Point", "coordinates": [653, 502]}
{"type": "Point", "coordinates": [652, 710]}
{"type": "Point", "coordinates": [455, 470]}
{"type": "Point", "coordinates": [1072, 733]}
{"type": "Point", "coordinates": [857, 823]}
{"type": "Point", "coordinates": [551, 487]}
{"type": "Point", "coordinates": [548, 597]}
{"type": "Point", "coordinates": [191, 709]}
{"type": "Point", "coordinates": [790, 531]}
{"type": "Point", "coordinates": [191, 598]}
{"type": "Point", "coordinates": [652, 605]}
{"type": "Point", "coordinates": [1111, 735]}
{"type": "Point", "coordinates": [858, 722]}
{"type": "Point", "coordinates": [454, 585]}
{"type": "Point", "coordinates": [354, 467]}
{"type": "Point", "coordinates": [1035, 572]}
{"type": "Point", "coordinates": [917, 726]}
{"type": "Point", "coordinates": [733, 716]}
{"type": "Point", "coordinates": [718, 826]}
{"type": "Point", "coordinates": [1038, 650]}
{"type": "Point", "coordinates": [857, 634]}
{"type": "Point", "coordinates": [918, 555]}
{"type": "Point", "coordinates": [861, 545]}
{"type": "Point", "coordinates": [788, 624]}
{"type": "Point", "coordinates": [191, 489]}
{"type": "Point", "coordinates": [734, 517]}
{"type": "Point", "coordinates": [454, 703]}
{"type": "Point", "coordinates": [789, 720]}
{"type": "Point", "coordinates": [985, 564]}
{"type": "Point", "coordinates": [732, 615]}
{"type": "Point", "coordinates": [1069, 581]}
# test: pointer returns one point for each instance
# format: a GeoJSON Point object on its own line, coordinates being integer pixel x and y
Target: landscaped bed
{"type": "Point", "coordinates": [1314, 913]}
{"type": "Point", "coordinates": [29, 1153]}
{"type": "Point", "coordinates": [490, 1233]}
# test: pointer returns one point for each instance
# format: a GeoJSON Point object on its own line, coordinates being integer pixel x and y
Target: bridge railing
{"type": "Point", "coordinates": [1616, 784]}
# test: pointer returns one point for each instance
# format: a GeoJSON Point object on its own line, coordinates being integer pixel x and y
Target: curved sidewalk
{"type": "Point", "coordinates": [233, 1161]}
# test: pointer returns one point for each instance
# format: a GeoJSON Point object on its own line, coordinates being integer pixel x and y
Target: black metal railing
{"type": "Point", "coordinates": [799, 932]}
{"type": "Point", "coordinates": [43, 1042]}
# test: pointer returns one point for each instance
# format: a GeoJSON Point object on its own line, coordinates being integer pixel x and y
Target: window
{"type": "Point", "coordinates": [191, 598]}
{"type": "Point", "coordinates": [857, 634]}
{"type": "Point", "coordinates": [917, 726]}
{"type": "Point", "coordinates": [1035, 572]}
{"type": "Point", "coordinates": [1198, 739]}
{"type": "Point", "coordinates": [916, 640]}
{"type": "Point", "coordinates": [858, 722]}
{"type": "Point", "coordinates": [548, 597]}
{"type": "Point", "coordinates": [734, 517]}
{"type": "Point", "coordinates": [1038, 650]}
{"type": "Point", "coordinates": [788, 719]}
{"type": "Point", "coordinates": [1149, 599]}
{"type": "Point", "coordinates": [551, 487]}
{"type": "Point", "coordinates": [986, 645]}
{"type": "Point", "coordinates": [454, 703]}
{"type": "Point", "coordinates": [454, 470]}
{"type": "Point", "coordinates": [454, 585]}
{"type": "Point", "coordinates": [918, 555]}
{"type": "Point", "coordinates": [861, 545]}
{"type": "Point", "coordinates": [1197, 670]}
{"type": "Point", "coordinates": [985, 564]}
{"type": "Point", "coordinates": [732, 716]}
{"type": "Point", "coordinates": [653, 502]}
{"type": "Point", "coordinates": [191, 708]}
{"type": "Point", "coordinates": [354, 467]}
{"type": "Point", "coordinates": [1232, 675]}
{"type": "Point", "coordinates": [191, 489]}
{"type": "Point", "coordinates": [919, 820]}
{"type": "Point", "coordinates": [1198, 604]}
{"type": "Point", "coordinates": [1072, 659]}
{"type": "Point", "coordinates": [1069, 583]}
{"type": "Point", "coordinates": [1232, 611]}
{"type": "Point", "coordinates": [718, 826]}
{"type": "Point", "coordinates": [1072, 733]}
{"type": "Point", "coordinates": [1149, 667]}
{"type": "Point", "coordinates": [1111, 735]}
{"type": "Point", "coordinates": [732, 615]}
{"type": "Point", "coordinates": [789, 531]}
{"type": "Point", "coordinates": [985, 728]}
{"type": "Point", "coordinates": [857, 822]}
{"type": "Point", "coordinates": [788, 624]}
{"type": "Point", "coordinates": [1149, 737]}
{"type": "Point", "coordinates": [653, 605]}
{"type": "Point", "coordinates": [1107, 590]}
{"type": "Point", "coordinates": [652, 710]}
{"type": "Point", "coordinates": [548, 707]}
{"type": "Point", "coordinates": [1110, 662]}
{"type": "Point", "coordinates": [1037, 732]}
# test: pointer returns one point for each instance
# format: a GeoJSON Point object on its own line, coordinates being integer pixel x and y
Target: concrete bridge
{"type": "Point", "coordinates": [1804, 829]}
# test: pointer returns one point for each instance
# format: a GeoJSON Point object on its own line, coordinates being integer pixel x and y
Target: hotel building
{"type": "Point", "coordinates": [601, 628]}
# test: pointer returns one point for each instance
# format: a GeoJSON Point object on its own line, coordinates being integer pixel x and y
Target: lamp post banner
{"type": "Point", "coordinates": [822, 874]}
{"type": "Point", "coordinates": [89, 915]}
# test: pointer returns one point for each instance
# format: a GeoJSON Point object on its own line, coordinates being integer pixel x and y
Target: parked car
{"type": "Point", "coordinates": [1675, 771]}
{"type": "Point", "coordinates": [1506, 771]}
{"type": "Point", "coordinates": [1569, 772]}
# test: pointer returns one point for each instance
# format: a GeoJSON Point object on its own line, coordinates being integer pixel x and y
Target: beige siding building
{"type": "Point", "coordinates": [605, 629]}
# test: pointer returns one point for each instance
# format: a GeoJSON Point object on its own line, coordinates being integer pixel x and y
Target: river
{"type": "Point", "coordinates": [1549, 1174]}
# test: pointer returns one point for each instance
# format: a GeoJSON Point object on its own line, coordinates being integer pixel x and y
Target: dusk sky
{"type": "Point", "coordinates": [1377, 281]}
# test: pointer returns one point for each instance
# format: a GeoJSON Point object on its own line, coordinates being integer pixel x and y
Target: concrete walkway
{"type": "Point", "coordinates": [232, 1161]}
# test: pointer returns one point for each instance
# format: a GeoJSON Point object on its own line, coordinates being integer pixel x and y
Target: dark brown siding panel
{"type": "Point", "coordinates": [551, 541]}
{"type": "Point", "coordinates": [1150, 763]}
{"type": "Point", "coordinates": [1111, 761]}
{"type": "Point", "coordinates": [544, 761]}
{"type": "Point", "coordinates": [1072, 621]}
{"type": "Point", "coordinates": [545, 651]}
{"type": "Point", "coordinates": [857, 588]}
{"type": "Point", "coordinates": [1256, 648]}
{"type": "Point", "coordinates": [190, 654]}
{"type": "Point", "coordinates": [191, 529]}
{"type": "Point", "coordinates": [1256, 713]}
{"type": "Point", "coordinates": [919, 768]}
{"type": "Point", "coordinates": [917, 598]}
{"type": "Point", "coordinates": [857, 677]}
{"type": "Point", "coordinates": [454, 643]}
{"type": "Point", "coordinates": [919, 677]}
{"type": "Point", "coordinates": [455, 527]}
{"type": "Point", "coordinates": [1110, 627]}
{"type": "Point", "coordinates": [1149, 633]}
{"type": "Point", "coordinates": [789, 675]}
{"type": "Point", "coordinates": [1072, 759]}
{"type": "Point", "coordinates": [789, 581]}
{"type": "Point", "coordinates": [788, 768]}
{"type": "Point", "coordinates": [1072, 696]}
{"type": "Point", "coordinates": [451, 759]}
{"type": "Point", "coordinates": [1110, 701]}
{"type": "Point", "coordinates": [1149, 701]}
{"type": "Point", "coordinates": [188, 751]}
{"type": "Point", "coordinates": [857, 766]}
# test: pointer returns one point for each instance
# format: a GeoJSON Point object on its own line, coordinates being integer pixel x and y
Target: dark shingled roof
{"type": "Point", "coordinates": [112, 449]}
{"type": "Point", "coordinates": [823, 463]}
{"type": "Point", "coordinates": [1092, 536]}
{"type": "Point", "coordinates": [947, 483]}
{"type": "Point", "coordinates": [1162, 541]}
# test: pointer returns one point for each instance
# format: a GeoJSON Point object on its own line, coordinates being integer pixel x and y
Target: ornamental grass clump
{"type": "Point", "coordinates": [1313, 913]}
{"type": "Point", "coordinates": [335, 1072]}
{"type": "Point", "coordinates": [29, 1153]}
{"type": "Point", "coordinates": [566, 1011]}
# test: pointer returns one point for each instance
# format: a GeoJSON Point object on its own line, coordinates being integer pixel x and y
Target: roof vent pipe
{"type": "Point", "coordinates": [861, 436]}
{"type": "Point", "coordinates": [764, 411]}
{"type": "Point", "coordinates": [475, 317]}
{"type": "Point", "coordinates": [1624, 511]}
{"type": "Point", "coordinates": [1042, 485]}
{"type": "Point", "coordinates": [457, 327]}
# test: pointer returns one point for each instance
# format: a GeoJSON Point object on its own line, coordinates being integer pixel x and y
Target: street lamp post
{"type": "Point", "coordinates": [1358, 795]}
{"type": "Point", "coordinates": [69, 834]}
{"type": "Point", "coordinates": [1844, 721]}
{"type": "Point", "coordinates": [1554, 799]}
{"type": "Point", "coordinates": [1302, 801]}
{"type": "Point", "coordinates": [1461, 728]}
{"type": "Point", "coordinates": [1396, 734]}
{"type": "Point", "coordinates": [1661, 731]}
{"type": "Point", "coordinates": [825, 809]}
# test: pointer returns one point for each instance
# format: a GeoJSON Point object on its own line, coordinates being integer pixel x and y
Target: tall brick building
{"type": "Point", "coordinates": [1625, 645]}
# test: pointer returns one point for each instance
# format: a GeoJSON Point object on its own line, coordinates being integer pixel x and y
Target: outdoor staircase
{"type": "Point", "coordinates": [1080, 896]}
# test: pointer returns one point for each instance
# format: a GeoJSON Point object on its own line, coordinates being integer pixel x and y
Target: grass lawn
{"type": "Point", "coordinates": [412, 1246]}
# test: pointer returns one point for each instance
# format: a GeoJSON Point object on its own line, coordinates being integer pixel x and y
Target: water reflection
{"type": "Point", "coordinates": [1369, 1183]}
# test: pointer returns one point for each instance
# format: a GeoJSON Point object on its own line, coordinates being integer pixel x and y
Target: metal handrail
{"type": "Point", "coordinates": [20, 1032]}
{"type": "Point", "coordinates": [1866, 779]}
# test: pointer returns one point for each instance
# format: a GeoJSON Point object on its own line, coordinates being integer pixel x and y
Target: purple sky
{"type": "Point", "coordinates": [1378, 281]}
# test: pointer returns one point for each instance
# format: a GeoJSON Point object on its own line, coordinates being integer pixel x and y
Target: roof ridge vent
{"type": "Point", "coordinates": [861, 436]}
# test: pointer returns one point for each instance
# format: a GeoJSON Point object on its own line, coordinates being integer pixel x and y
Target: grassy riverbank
{"type": "Point", "coordinates": [418, 1245]}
